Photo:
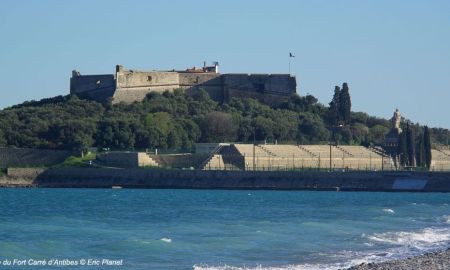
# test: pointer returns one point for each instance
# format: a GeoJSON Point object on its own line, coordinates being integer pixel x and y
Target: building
{"type": "Point", "coordinates": [131, 85]}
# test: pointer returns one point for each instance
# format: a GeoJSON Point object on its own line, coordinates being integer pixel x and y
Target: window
{"type": "Point", "coordinates": [149, 78]}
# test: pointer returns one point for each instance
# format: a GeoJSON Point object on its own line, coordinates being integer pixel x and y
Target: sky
{"type": "Point", "coordinates": [393, 54]}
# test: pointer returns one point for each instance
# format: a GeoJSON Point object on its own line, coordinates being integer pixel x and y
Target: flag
{"type": "Point", "coordinates": [291, 55]}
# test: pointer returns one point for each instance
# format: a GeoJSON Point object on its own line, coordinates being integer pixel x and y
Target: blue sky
{"type": "Point", "coordinates": [392, 53]}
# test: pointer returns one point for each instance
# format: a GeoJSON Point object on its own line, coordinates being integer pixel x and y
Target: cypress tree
{"type": "Point", "coordinates": [421, 152]}
{"type": "Point", "coordinates": [345, 105]}
{"type": "Point", "coordinates": [403, 149]}
{"type": "Point", "coordinates": [411, 145]}
{"type": "Point", "coordinates": [427, 147]}
{"type": "Point", "coordinates": [334, 110]}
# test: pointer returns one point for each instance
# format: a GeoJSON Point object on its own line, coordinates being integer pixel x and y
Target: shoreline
{"type": "Point", "coordinates": [72, 177]}
{"type": "Point", "coordinates": [429, 261]}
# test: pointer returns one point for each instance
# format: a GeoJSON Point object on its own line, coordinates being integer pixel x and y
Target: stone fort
{"type": "Point", "coordinates": [132, 85]}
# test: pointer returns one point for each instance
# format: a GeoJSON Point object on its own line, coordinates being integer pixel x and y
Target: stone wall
{"type": "Point", "coordinates": [181, 161]}
{"type": "Point", "coordinates": [96, 87]}
{"type": "Point", "coordinates": [130, 85]}
{"type": "Point", "coordinates": [126, 159]}
{"type": "Point", "coordinates": [28, 157]}
{"type": "Point", "coordinates": [210, 82]}
{"type": "Point", "coordinates": [24, 172]}
{"type": "Point", "coordinates": [147, 178]}
{"type": "Point", "coordinates": [135, 85]}
{"type": "Point", "coordinates": [267, 88]}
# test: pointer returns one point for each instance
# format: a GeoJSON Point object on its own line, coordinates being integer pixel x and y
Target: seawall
{"type": "Point", "coordinates": [198, 179]}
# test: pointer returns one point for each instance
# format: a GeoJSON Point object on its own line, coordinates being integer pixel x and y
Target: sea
{"type": "Point", "coordinates": [216, 229]}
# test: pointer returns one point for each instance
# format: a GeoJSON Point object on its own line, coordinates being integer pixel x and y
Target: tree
{"type": "Point", "coordinates": [420, 158]}
{"type": "Point", "coordinates": [359, 133]}
{"type": "Point", "coordinates": [345, 104]}
{"type": "Point", "coordinates": [403, 149]}
{"type": "Point", "coordinates": [411, 146]}
{"type": "Point", "coordinates": [218, 127]}
{"type": "Point", "coordinates": [263, 128]}
{"type": "Point", "coordinates": [334, 112]}
{"type": "Point", "coordinates": [312, 129]}
{"type": "Point", "coordinates": [2, 139]}
{"type": "Point", "coordinates": [427, 147]}
{"type": "Point", "coordinates": [377, 134]}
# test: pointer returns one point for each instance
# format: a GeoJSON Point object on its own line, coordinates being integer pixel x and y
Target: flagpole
{"type": "Point", "coordinates": [290, 64]}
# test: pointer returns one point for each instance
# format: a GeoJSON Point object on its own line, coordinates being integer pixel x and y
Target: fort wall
{"type": "Point", "coordinates": [126, 159]}
{"type": "Point", "coordinates": [96, 87]}
{"type": "Point", "coordinates": [27, 157]}
{"type": "Point", "coordinates": [203, 179]}
{"type": "Point", "coordinates": [130, 85]}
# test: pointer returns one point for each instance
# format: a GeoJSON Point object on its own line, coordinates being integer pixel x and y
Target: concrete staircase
{"type": "Point", "coordinates": [145, 160]}
{"type": "Point", "coordinates": [345, 151]}
{"type": "Point", "coordinates": [270, 153]}
{"type": "Point", "coordinates": [307, 151]}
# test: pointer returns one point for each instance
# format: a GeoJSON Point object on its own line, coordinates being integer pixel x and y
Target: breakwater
{"type": "Point", "coordinates": [199, 179]}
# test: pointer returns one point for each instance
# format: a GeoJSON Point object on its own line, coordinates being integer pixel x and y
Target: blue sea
{"type": "Point", "coordinates": [215, 229]}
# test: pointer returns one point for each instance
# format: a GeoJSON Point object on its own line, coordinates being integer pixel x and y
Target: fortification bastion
{"type": "Point", "coordinates": [129, 86]}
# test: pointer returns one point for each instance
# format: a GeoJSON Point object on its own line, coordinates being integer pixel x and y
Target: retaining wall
{"type": "Point", "coordinates": [147, 178]}
{"type": "Point", "coordinates": [28, 157]}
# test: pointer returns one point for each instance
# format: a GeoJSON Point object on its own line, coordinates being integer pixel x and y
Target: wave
{"type": "Point", "coordinates": [402, 245]}
{"type": "Point", "coordinates": [165, 239]}
{"type": "Point", "coordinates": [446, 219]}
{"type": "Point", "coordinates": [425, 239]}
{"type": "Point", "coordinates": [352, 258]}
{"type": "Point", "coordinates": [389, 210]}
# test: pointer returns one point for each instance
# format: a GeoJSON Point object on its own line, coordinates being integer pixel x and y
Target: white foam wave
{"type": "Point", "coordinates": [404, 244]}
{"type": "Point", "coordinates": [331, 266]}
{"type": "Point", "coordinates": [389, 210]}
{"type": "Point", "coordinates": [285, 267]}
{"type": "Point", "coordinates": [446, 219]}
{"type": "Point", "coordinates": [424, 239]}
{"type": "Point", "coordinates": [165, 239]}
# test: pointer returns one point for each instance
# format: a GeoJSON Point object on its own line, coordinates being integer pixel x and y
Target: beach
{"type": "Point", "coordinates": [429, 261]}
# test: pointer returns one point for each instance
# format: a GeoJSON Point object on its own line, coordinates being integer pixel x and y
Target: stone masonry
{"type": "Point", "coordinates": [131, 85]}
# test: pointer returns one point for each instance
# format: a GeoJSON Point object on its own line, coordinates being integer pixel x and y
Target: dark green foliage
{"type": "Point", "coordinates": [345, 104]}
{"type": "Point", "coordinates": [440, 136]}
{"type": "Point", "coordinates": [2, 139]}
{"type": "Point", "coordinates": [360, 133]}
{"type": "Point", "coordinates": [403, 151]}
{"type": "Point", "coordinates": [339, 112]}
{"type": "Point", "coordinates": [175, 120]}
{"type": "Point", "coordinates": [218, 127]}
{"type": "Point", "coordinates": [377, 133]}
{"type": "Point", "coordinates": [420, 153]}
{"type": "Point", "coordinates": [427, 147]}
{"type": "Point", "coordinates": [411, 146]}
{"type": "Point", "coordinates": [334, 112]}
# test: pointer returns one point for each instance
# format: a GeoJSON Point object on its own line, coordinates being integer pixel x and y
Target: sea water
{"type": "Point", "coordinates": [216, 229]}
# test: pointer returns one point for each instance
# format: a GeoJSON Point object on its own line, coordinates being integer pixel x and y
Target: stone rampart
{"type": "Point", "coordinates": [130, 85]}
{"type": "Point", "coordinates": [28, 157]}
{"type": "Point", "coordinates": [201, 179]}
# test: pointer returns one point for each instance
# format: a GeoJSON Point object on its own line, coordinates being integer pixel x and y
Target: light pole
{"type": "Point", "coordinates": [333, 141]}
{"type": "Point", "coordinates": [254, 150]}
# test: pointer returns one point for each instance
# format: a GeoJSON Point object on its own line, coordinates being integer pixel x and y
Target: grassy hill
{"type": "Point", "coordinates": [178, 121]}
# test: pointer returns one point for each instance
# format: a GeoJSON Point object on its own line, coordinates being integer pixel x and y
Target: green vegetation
{"type": "Point", "coordinates": [415, 151]}
{"type": "Point", "coordinates": [340, 106]}
{"type": "Point", "coordinates": [73, 161]}
{"type": "Point", "coordinates": [176, 121]}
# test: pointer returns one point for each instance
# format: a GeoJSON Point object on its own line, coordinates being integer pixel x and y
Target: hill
{"type": "Point", "coordinates": [176, 121]}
